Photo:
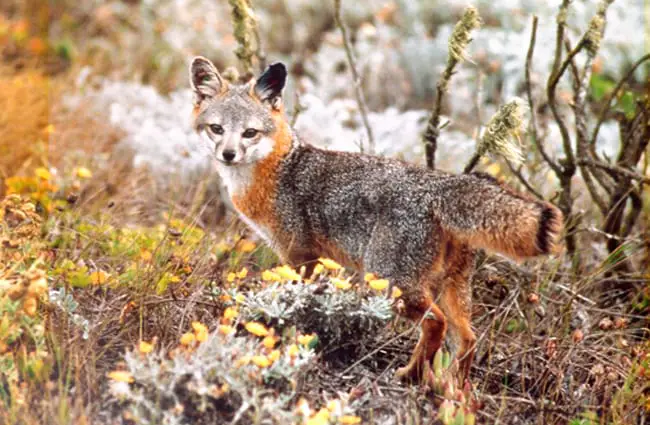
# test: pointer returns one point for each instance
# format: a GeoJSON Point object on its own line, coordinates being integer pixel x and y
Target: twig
{"type": "Point", "coordinates": [473, 161]}
{"type": "Point", "coordinates": [568, 168]}
{"type": "Point", "coordinates": [614, 169]}
{"type": "Point", "coordinates": [531, 105]}
{"type": "Point", "coordinates": [580, 84]}
{"type": "Point", "coordinates": [522, 179]}
{"type": "Point", "coordinates": [458, 42]}
{"type": "Point", "coordinates": [358, 91]}
{"type": "Point", "coordinates": [387, 343]}
{"type": "Point", "coordinates": [612, 95]}
{"type": "Point", "coordinates": [297, 108]}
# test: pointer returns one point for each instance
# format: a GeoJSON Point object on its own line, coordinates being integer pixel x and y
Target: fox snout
{"type": "Point", "coordinates": [228, 155]}
{"type": "Point", "coordinates": [230, 152]}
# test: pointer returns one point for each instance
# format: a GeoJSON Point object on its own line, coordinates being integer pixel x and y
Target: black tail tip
{"type": "Point", "coordinates": [550, 226]}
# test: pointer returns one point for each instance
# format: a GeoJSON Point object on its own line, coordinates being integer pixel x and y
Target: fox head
{"type": "Point", "coordinates": [240, 120]}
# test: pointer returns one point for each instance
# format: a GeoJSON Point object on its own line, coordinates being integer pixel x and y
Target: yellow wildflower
{"type": "Point", "coordinates": [329, 264]}
{"type": "Point", "coordinates": [242, 273]}
{"type": "Point", "coordinates": [226, 330]}
{"type": "Point", "coordinates": [271, 276]}
{"type": "Point", "coordinates": [188, 339]}
{"type": "Point", "coordinates": [245, 246]}
{"type": "Point", "coordinates": [145, 347]}
{"type": "Point", "coordinates": [145, 255]}
{"type": "Point", "coordinates": [305, 339]}
{"type": "Point", "coordinates": [274, 355]}
{"type": "Point", "coordinates": [230, 313]}
{"type": "Point", "coordinates": [121, 376]}
{"type": "Point", "coordinates": [293, 350]}
{"type": "Point", "coordinates": [243, 361]}
{"type": "Point", "coordinates": [378, 284]}
{"type": "Point", "coordinates": [261, 361]}
{"type": "Point", "coordinates": [270, 341]}
{"type": "Point", "coordinates": [231, 277]}
{"type": "Point", "coordinates": [321, 417]}
{"type": "Point", "coordinates": [200, 330]}
{"type": "Point", "coordinates": [349, 420]}
{"type": "Point", "coordinates": [257, 329]}
{"type": "Point", "coordinates": [318, 269]}
{"type": "Point", "coordinates": [240, 298]}
{"type": "Point", "coordinates": [287, 273]}
{"type": "Point", "coordinates": [99, 277]}
{"type": "Point", "coordinates": [369, 276]}
{"type": "Point", "coordinates": [340, 283]}
{"type": "Point", "coordinates": [83, 173]}
{"type": "Point", "coordinates": [43, 173]}
{"type": "Point", "coordinates": [396, 292]}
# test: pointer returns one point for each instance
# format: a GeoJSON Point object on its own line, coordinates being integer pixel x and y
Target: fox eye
{"type": "Point", "coordinates": [249, 133]}
{"type": "Point", "coordinates": [216, 129]}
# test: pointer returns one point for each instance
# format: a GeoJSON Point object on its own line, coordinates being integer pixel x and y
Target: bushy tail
{"type": "Point", "coordinates": [486, 214]}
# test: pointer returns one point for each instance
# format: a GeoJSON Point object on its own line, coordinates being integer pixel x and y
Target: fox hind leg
{"type": "Point", "coordinates": [434, 326]}
{"type": "Point", "coordinates": [459, 318]}
{"type": "Point", "coordinates": [456, 302]}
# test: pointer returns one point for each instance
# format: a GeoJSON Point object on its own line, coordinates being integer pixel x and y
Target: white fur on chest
{"type": "Point", "coordinates": [237, 180]}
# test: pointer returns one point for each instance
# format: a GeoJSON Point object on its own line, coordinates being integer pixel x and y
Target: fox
{"type": "Point", "coordinates": [417, 227]}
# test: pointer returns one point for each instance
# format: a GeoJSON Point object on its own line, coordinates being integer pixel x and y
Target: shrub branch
{"type": "Point", "coordinates": [358, 90]}
{"type": "Point", "coordinates": [458, 42]}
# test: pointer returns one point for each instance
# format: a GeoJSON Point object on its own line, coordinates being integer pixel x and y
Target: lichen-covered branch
{"type": "Point", "coordinates": [255, 29]}
{"type": "Point", "coordinates": [458, 43]}
{"type": "Point", "coordinates": [241, 18]}
{"type": "Point", "coordinates": [358, 90]}
{"type": "Point", "coordinates": [497, 139]}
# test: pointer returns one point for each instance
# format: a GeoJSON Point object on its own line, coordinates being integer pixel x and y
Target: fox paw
{"type": "Point", "coordinates": [413, 372]}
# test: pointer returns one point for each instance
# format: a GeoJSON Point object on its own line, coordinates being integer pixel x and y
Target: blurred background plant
{"type": "Point", "coordinates": [121, 268]}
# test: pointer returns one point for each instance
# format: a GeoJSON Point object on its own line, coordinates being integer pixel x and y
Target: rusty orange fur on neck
{"type": "Point", "coordinates": [257, 202]}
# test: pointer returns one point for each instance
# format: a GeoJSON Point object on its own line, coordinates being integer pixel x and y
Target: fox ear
{"type": "Point", "coordinates": [205, 79]}
{"type": "Point", "coordinates": [269, 86]}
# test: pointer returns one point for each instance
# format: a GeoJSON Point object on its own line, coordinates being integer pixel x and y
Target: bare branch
{"type": "Point", "coordinates": [517, 173]}
{"type": "Point", "coordinates": [531, 105]}
{"type": "Point", "coordinates": [615, 169]}
{"type": "Point", "coordinates": [358, 91]}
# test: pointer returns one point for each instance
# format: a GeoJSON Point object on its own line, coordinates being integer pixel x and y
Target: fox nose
{"type": "Point", "coordinates": [228, 155]}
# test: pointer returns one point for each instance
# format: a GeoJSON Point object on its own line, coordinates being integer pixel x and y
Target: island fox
{"type": "Point", "coordinates": [417, 227]}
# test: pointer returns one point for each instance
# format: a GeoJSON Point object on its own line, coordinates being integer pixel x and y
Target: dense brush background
{"type": "Point", "coordinates": [130, 293]}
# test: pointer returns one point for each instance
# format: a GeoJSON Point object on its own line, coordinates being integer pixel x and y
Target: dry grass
{"type": "Point", "coordinates": [24, 118]}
